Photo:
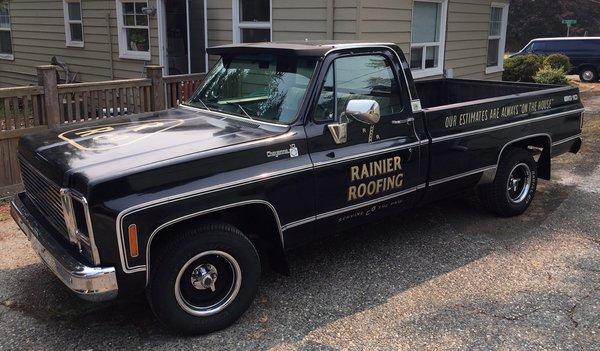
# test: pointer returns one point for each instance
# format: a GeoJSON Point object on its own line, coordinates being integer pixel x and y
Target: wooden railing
{"type": "Point", "coordinates": [21, 107]}
{"type": "Point", "coordinates": [25, 110]}
{"type": "Point", "coordinates": [179, 88]}
{"type": "Point", "coordinates": [87, 101]}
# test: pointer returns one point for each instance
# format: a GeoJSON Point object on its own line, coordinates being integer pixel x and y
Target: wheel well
{"type": "Point", "coordinates": [541, 146]}
{"type": "Point", "coordinates": [258, 221]}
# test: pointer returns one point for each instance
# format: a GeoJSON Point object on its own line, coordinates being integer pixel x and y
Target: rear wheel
{"type": "Point", "coordinates": [588, 75]}
{"type": "Point", "coordinates": [203, 280]}
{"type": "Point", "coordinates": [512, 191]}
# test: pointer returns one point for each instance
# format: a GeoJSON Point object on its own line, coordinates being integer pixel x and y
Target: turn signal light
{"type": "Point", "coordinates": [133, 241]}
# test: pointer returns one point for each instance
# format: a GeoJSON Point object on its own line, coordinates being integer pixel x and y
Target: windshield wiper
{"type": "Point", "coordinates": [241, 108]}
{"type": "Point", "coordinates": [203, 104]}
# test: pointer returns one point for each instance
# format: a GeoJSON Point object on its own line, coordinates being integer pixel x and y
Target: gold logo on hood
{"type": "Point", "coordinates": [110, 136]}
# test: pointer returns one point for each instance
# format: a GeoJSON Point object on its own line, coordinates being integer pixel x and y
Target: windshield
{"type": "Point", "coordinates": [262, 87]}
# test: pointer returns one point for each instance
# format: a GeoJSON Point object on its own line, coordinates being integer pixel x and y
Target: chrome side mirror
{"type": "Point", "coordinates": [365, 111]}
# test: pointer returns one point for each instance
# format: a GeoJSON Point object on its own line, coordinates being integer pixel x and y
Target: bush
{"type": "Point", "coordinates": [549, 75]}
{"type": "Point", "coordinates": [522, 68]}
{"type": "Point", "coordinates": [558, 61]}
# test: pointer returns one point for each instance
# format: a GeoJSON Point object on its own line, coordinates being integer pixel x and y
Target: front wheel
{"type": "Point", "coordinates": [203, 280]}
{"type": "Point", "coordinates": [512, 191]}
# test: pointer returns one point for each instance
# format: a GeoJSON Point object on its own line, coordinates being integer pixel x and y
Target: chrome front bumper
{"type": "Point", "coordinates": [89, 283]}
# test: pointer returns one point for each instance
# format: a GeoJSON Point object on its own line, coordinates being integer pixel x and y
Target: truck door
{"type": "Point", "coordinates": [364, 168]}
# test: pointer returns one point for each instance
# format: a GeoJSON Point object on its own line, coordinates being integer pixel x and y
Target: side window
{"type": "Point", "coordinates": [325, 109]}
{"type": "Point", "coordinates": [538, 46]}
{"type": "Point", "coordinates": [358, 78]}
{"type": "Point", "coordinates": [366, 77]}
{"type": "Point", "coordinates": [559, 46]}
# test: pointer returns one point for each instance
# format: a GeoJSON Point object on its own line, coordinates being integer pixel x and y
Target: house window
{"type": "Point", "coordinates": [428, 36]}
{"type": "Point", "coordinates": [252, 21]}
{"type": "Point", "coordinates": [134, 33]}
{"type": "Point", "coordinates": [73, 24]}
{"type": "Point", "coordinates": [497, 37]}
{"type": "Point", "coordinates": [5, 35]}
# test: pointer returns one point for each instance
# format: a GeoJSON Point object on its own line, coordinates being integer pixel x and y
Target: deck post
{"type": "Point", "coordinates": [154, 73]}
{"type": "Point", "coordinates": [47, 78]}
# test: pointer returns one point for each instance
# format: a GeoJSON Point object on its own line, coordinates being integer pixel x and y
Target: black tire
{"type": "Point", "coordinates": [498, 198]}
{"type": "Point", "coordinates": [209, 245]}
{"type": "Point", "coordinates": [588, 75]}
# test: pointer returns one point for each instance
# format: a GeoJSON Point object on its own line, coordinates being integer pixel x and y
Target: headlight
{"type": "Point", "coordinates": [79, 224]}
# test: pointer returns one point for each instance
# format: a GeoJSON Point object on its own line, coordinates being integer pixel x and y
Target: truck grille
{"type": "Point", "coordinates": [45, 195]}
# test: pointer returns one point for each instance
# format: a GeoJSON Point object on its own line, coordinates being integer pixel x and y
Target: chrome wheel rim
{"type": "Point", "coordinates": [207, 283]}
{"type": "Point", "coordinates": [519, 183]}
{"type": "Point", "coordinates": [588, 75]}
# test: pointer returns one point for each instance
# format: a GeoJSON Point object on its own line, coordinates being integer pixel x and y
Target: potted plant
{"type": "Point", "coordinates": [138, 41]}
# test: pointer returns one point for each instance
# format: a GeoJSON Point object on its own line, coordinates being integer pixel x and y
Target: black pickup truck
{"type": "Point", "coordinates": [282, 144]}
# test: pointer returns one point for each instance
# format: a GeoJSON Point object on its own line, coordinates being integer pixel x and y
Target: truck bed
{"type": "Point", "coordinates": [440, 92]}
{"type": "Point", "coordinates": [470, 122]}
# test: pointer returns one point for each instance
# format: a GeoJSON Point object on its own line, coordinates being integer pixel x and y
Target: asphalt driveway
{"type": "Point", "coordinates": [448, 276]}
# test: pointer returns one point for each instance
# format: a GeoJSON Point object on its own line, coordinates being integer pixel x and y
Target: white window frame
{"type": "Point", "coordinates": [427, 72]}
{"type": "Point", "coordinates": [239, 25]}
{"type": "Point", "coordinates": [124, 51]}
{"type": "Point", "coordinates": [68, 22]}
{"type": "Point", "coordinates": [5, 56]}
{"type": "Point", "coordinates": [501, 38]}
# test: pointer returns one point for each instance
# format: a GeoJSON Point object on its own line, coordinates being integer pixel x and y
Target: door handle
{"type": "Point", "coordinates": [403, 121]}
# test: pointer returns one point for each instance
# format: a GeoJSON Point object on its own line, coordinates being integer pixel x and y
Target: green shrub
{"type": "Point", "coordinates": [522, 68]}
{"type": "Point", "coordinates": [558, 61]}
{"type": "Point", "coordinates": [549, 75]}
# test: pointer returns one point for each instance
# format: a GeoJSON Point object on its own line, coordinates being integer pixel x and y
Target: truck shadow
{"type": "Point", "coordinates": [338, 277]}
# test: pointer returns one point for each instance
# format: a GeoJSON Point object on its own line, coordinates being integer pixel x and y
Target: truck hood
{"type": "Point", "coordinates": [116, 145]}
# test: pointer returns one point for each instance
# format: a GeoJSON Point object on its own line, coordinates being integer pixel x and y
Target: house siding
{"type": "Point", "coordinates": [300, 20]}
{"type": "Point", "coordinates": [467, 39]}
{"type": "Point", "coordinates": [219, 25]}
{"type": "Point", "coordinates": [38, 33]}
{"type": "Point", "coordinates": [345, 13]}
{"type": "Point", "coordinates": [386, 21]}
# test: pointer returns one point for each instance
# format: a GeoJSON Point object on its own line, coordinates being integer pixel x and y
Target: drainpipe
{"type": "Point", "coordinates": [110, 48]}
{"type": "Point", "coordinates": [330, 20]}
{"type": "Point", "coordinates": [359, 5]}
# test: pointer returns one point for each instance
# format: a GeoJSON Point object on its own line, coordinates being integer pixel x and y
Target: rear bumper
{"type": "Point", "coordinates": [89, 283]}
{"type": "Point", "coordinates": [571, 144]}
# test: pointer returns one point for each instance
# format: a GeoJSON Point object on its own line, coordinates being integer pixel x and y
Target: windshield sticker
{"type": "Point", "coordinates": [115, 135]}
{"type": "Point", "coordinates": [468, 118]}
{"type": "Point", "coordinates": [292, 152]}
{"type": "Point", "coordinates": [388, 173]}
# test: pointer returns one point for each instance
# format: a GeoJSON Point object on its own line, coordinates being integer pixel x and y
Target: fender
{"type": "Point", "coordinates": [489, 175]}
{"type": "Point", "coordinates": [203, 212]}
{"type": "Point", "coordinates": [193, 194]}
{"type": "Point", "coordinates": [531, 136]}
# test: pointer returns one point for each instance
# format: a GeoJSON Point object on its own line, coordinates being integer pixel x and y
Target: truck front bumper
{"type": "Point", "coordinates": [89, 283]}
